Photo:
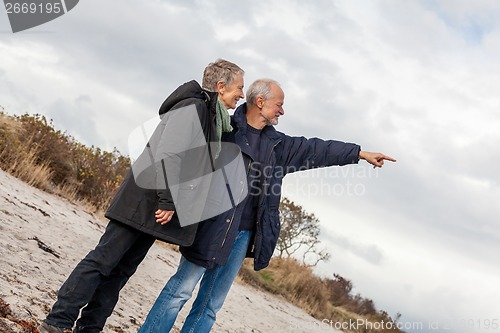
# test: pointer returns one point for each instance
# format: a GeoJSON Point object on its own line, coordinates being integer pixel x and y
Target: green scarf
{"type": "Point", "coordinates": [222, 124]}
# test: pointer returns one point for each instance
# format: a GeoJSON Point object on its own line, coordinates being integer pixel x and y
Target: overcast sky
{"type": "Point", "coordinates": [417, 80]}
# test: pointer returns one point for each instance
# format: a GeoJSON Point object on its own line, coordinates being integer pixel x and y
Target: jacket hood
{"type": "Point", "coordinates": [191, 89]}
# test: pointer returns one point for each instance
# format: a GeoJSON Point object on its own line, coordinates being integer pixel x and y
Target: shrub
{"type": "Point", "coordinates": [34, 151]}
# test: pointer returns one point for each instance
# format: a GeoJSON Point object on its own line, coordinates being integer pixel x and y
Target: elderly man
{"type": "Point", "coordinates": [252, 227]}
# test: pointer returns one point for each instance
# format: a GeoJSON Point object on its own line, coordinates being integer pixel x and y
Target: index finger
{"type": "Point", "coordinates": [385, 157]}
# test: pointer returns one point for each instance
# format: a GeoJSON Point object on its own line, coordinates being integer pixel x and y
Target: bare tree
{"type": "Point", "coordinates": [299, 234]}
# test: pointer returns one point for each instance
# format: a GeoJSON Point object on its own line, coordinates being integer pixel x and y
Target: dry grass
{"type": "Point", "coordinates": [18, 155]}
{"type": "Point", "coordinates": [296, 283]}
{"type": "Point", "coordinates": [33, 151]}
{"type": "Point", "coordinates": [25, 167]}
{"type": "Point", "coordinates": [300, 286]}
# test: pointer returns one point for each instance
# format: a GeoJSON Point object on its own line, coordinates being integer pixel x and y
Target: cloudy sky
{"type": "Point", "coordinates": [417, 80]}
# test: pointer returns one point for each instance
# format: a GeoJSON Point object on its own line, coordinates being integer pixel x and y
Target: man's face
{"type": "Point", "coordinates": [272, 108]}
{"type": "Point", "coordinates": [230, 94]}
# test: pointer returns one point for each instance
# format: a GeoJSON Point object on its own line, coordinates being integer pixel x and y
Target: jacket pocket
{"type": "Point", "coordinates": [274, 220]}
{"type": "Point", "coordinates": [270, 233]}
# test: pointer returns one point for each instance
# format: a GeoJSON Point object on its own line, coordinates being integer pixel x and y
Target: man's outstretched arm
{"type": "Point", "coordinates": [376, 159]}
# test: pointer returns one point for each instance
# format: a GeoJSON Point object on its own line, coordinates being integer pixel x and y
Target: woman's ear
{"type": "Point", "coordinates": [220, 87]}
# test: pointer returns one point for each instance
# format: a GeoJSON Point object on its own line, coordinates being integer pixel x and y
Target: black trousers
{"type": "Point", "coordinates": [95, 283]}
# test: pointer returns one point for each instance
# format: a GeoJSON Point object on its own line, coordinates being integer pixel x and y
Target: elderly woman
{"type": "Point", "coordinates": [140, 214]}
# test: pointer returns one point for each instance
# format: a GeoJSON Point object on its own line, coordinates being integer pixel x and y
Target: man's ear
{"type": "Point", "coordinates": [259, 102]}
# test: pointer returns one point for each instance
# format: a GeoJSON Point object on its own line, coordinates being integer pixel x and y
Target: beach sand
{"type": "Point", "coordinates": [42, 238]}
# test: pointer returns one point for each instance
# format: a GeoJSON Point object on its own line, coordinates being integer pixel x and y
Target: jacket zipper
{"type": "Point", "coordinates": [265, 183]}
{"type": "Point", "coordinates": [234, 211]}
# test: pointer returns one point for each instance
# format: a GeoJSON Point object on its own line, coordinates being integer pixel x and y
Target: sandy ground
{"type": "Point", "coordinates": [30, 276]}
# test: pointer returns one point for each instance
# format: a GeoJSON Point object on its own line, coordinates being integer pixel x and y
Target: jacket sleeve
{"type": "Point", "coordinates": [299, 153]}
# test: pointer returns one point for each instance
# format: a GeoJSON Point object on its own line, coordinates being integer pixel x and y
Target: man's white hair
{"type": "Point", "coordinates": [260, 87]}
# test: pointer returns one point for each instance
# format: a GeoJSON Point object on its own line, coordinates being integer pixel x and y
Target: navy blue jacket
{"type": "Point", "coordinates": [280, 154]}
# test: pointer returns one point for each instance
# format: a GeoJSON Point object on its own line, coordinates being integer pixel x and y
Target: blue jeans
{"type": "Point", "coordinates": [214, 288]}
{"type": "Point", "coordinates": [96, 281]}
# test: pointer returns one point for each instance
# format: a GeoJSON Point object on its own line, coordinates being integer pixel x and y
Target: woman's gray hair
{"type": "Point", "coordinates": [220, 70]}
{"type": "Point", "coordinates": [261, 87]}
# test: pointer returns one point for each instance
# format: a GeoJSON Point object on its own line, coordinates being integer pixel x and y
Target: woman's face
{"type": "Point", "coordinates": [230, 94]}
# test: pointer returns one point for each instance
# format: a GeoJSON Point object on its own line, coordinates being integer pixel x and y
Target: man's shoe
{"type": "Point", "coordinates": [46, 328]}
